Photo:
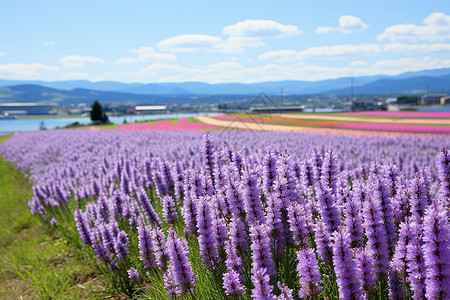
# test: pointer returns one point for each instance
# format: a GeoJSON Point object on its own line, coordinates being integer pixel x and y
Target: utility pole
{"type": "Point", "coordinates": [351, 89]}
{"type": "Point", "coordinates": [281, 96]}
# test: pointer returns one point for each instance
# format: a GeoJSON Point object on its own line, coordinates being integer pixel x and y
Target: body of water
{"type": "Point", "coordinates": [20, 125]}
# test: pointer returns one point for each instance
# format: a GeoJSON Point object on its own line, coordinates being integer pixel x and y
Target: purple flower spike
{"type": "Point", "coordinates": [263, 289]}
{"type": "Point", "coordinates": [121, 244]}
{"type": "Point", "coordinates": [415, 262]}
{"type": "Point", "coordinates": [207, 239]}
{"type": "Point", "coordinates": [286, 292]}
{"type": "Point", "coordinates": [159, 247]}
{"type": "Point", "coordinates": [329, 171]}
{"type": "Point", "coordinates": [232, 284]}
{"type": "Point", "coordinates": [83, 227]}
{"type": "Point", "coordinates": [133, 275]}
{"type": "Point", "coordinates": [443, 165]}
{"type": "Point", "coordinates": [328, 209]}
{"type": "Point", "coordinates": [179, 259]}
{"type": "Point", "coordinates": [145, 246]}
{"type": "Point", "coordinates": [436, 251]}
{"type": "Point", "coordinates": [345, 267]}
{"type": "Point", "coordinates": [308, 271]}
{"type": "Point", "coordinates": [169, 210]}
{"type": "Point", "coordinates": [365, 270]}
{"type": "Point", "coordinates": [150, 214]}
{"type": "Point", "coordinates": [261, 255]}
{"type": "Point", "coordinates": [251, 194]}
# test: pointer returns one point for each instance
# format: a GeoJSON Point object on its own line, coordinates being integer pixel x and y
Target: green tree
{"type": "Point", "coordinates": [97, 113]}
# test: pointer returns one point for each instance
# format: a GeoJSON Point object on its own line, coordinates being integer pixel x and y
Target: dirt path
{"type": "Point", "coordinates": [365, 120]}
{"type": "Point", "coordinates": [231, 124]}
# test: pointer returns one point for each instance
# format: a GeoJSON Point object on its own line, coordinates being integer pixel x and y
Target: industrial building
{"type": "Point", "coordinates": [28, 108]}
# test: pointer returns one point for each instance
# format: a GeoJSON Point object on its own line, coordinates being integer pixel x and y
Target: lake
{"type": "Point", "coordinates": [20, 125]}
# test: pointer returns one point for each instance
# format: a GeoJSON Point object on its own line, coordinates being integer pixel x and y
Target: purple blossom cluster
{"type": "Point", "coordinates": [184, 206]}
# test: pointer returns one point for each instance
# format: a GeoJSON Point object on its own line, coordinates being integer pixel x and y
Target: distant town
{"type": "Point", "coordinates": [260, 103]}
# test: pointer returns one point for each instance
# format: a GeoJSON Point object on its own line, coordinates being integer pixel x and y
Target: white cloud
{"type": "Point", "coordinates": [234, 72]}
{"type": "Point", "coordinates": [426, 48]}
{"type": "Point", "coordinates": [260, 29]}
{"type": "Point", "coordinates": [200, 42]}
{"type": "Point", "coordinates": [412, 64]}
{"type": "Point", "coordinates": [126, 61]}
{"type": "Point", "coordinates": [25, 71]}
{"type": "Point", "coordinates": [436, 28]}
{"type": "Point", "coordinates": [75, 75]}
{"type": "Point", "coordinates": [48, 43]}
{"type": "Point", "coordinates": [76, 61]}
{"type": "Point", "coordinates": [245, 34]}
{"type": "Point", "coordinates": [347, 24]}
{"type": "Point", "coordinates": [359, 63]}
{"type": "Point", "coordinates": [190, 42]}
{"type": "Point", "coordinates": [323, 51]}
{"type": "Point", "coordinates": [1, 53]}
{"type": "Point", "coordinates": [147, 54]}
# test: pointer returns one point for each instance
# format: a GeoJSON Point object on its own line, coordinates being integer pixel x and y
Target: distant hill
{"type": "Point", "coordinates": [83, 91]}
{"type": "Point", "coordinates": [411, 85]}
{"type": "Point", "coordinates": [37, 93]}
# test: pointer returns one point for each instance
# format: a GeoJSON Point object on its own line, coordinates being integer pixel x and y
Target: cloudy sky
{"type": "Point", "coordinates": [220, 41]}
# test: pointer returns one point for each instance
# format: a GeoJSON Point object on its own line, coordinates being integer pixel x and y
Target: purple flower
{"type": "Point", "coordinates": [82, 227]}
{"type": "Point", "coordinates": [232, 284]}
{"type": "Point", "coordinates": [353, 220]}
{"type": "Point", "coordinates": [286, 292]}
{"type": "Point", "coordinates": [269, 170]}
{"type": "Point", "coordinates": [436, 251]}
{"type": "Point", "coordinates": [207, 239]}
{"type": "Point", "coordinates": [233, 260]}
{"type": "Point", "coordinates": [419, 197]}
{"type": "Point", "coordinates": [251, 194]}
{"type": "Point", "coordinates": [382, 192]}
{"type": "Point", "coordinates": [150, 214]}
{"type": "Point", "coordinates": [189, 212]}
{"type": "Point", "coordinates": [208, 154]}
{"type": "Point", "coordinates": [365, 270]}
{"type": "Point", "coordinates": [169, 210]}
{"type": "Point", "coordinates": [53, 222]}
{"type": "Point", "coordinates": [308, 271]}
{"type": "Point", "coordinates": [328, 172]}
{"type": "Point", "coordinates": [178, 251]}
{"type": "Point", "coordinates": [261, 255]}
{"type": "Point", "coordinates": [297, 224]}
{"type": "Point", "coordinates": [405, 236]}
{"type": "Point", "coordinates": [322, 239]}
{"type": "Point", "coordinates": [274, 219]}
{"type": "Point", "coordinates": [145, 246]}
{"type": "Point", "coordinates": [170, 284]}
{"type": "Point", "coordinates": [415, 262]}
{"type": "Point", "coordinates": [238, 234]}
{"type": "Point", "coordinates": [159, 247]}
{"type": "Point", "coordinates": [133, 275]}
{"type": "Point", "coordinates": [328, 209]}
{"type": "Point", "coordinates": [443, 165]}
{"type": "Point", "coordinates": [395, 286]}
{"type": "Point", "coordinates": [262, 288]}
{"type": "Point", "coordinates": [377, 243]}
{"type": "Point", "coordinates": [345, 267]}
{"type": "Point", "coordinates": [121, 244]}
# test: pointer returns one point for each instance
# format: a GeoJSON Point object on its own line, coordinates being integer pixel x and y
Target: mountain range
{"type": "Point", "coordinates": [84, 91]}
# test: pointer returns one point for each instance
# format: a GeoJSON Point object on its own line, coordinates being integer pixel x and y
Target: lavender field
{"type": "Point", "coordinates": [247, 215]}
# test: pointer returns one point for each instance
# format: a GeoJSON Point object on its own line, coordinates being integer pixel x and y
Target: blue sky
{"type": "Point", "coordinates": [220, 41]}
